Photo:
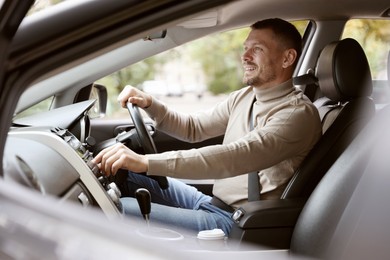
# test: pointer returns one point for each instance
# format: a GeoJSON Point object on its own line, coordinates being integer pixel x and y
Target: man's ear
{"type": "Point", "coordinates": [289, 58]}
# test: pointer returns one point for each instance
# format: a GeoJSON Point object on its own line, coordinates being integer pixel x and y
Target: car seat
{"type": "Point", "coordinates": [348, 214]}
{"type": "Point", "coordinates": [343, 76]}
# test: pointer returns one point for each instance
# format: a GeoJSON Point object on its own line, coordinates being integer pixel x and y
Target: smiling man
{"type": "Point", "coordinates": [268, 127]}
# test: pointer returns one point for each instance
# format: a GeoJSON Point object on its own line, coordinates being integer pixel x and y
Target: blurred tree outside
{"type": "Point", "coordinates": [220, 57]}
{"type": "Point", "coordinates": [215, 61]}
{"type": "Point", "coordinates": [374, 36]}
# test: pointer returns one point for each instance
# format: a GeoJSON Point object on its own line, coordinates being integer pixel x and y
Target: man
{"type": "Point", "coordinates": [269, 127]}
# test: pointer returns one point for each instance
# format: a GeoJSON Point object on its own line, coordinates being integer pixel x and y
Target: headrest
{"type": "Point", "coordinates": [343, 72]}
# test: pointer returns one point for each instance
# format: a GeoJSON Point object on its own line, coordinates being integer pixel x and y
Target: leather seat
{"type": "Point", "coordinates": [348, 214]}
{"type": "Point", "coordinates": [343, 76]}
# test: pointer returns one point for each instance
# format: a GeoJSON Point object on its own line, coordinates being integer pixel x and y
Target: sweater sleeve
{"type": "Point", "coordinates": [193, 127]}
{"type": "Point", "coordinates": [283, 133]}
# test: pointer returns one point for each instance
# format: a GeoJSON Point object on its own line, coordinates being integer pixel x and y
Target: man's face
{"type": "Point", "coordinates": [262, 59]}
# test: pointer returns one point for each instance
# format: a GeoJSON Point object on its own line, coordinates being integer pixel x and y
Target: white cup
{"type": "Point", "coordinates": [212, 239]}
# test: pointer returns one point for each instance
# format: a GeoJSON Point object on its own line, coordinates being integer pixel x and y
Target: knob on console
{"type": "Point", "coordinates": [115, 188]}
{"type": "Point", "coordinates": [113, 196]}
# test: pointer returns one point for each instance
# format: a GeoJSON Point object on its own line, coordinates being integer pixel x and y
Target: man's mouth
{"type": "Point", "coordinates": [249, 67]}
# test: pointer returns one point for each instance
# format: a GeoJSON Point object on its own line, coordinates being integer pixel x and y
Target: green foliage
{"type": "Point", "coordinates": [220, 57]}
{"type": "Point", "coordinates": [218, 54]}
{"type": "Point", "coordinates": [300, 25]}
{"type": "Point", "coordinates": [374, 36]}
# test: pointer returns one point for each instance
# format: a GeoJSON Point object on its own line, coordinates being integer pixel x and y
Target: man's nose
{"type": "Point", "coordinates": [246, 56]}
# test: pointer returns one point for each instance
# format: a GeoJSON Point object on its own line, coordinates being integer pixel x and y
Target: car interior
{"type": "Point", "coordinates": [334, 207]}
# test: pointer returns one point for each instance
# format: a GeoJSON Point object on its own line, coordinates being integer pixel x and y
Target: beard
{"type": "Point", "coordinates": [252, 81]}
{"type": "Point", "coordinates": [263, 76]}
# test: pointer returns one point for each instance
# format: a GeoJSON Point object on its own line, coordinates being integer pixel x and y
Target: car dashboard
{"type": "Point", "coordinates": [55, 158]}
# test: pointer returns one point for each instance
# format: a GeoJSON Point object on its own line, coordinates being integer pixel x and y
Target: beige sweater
{"type": "Point", "coordinates": [286, 127]}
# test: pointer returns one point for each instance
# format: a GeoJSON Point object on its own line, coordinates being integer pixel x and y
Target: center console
{"type": "Point", "coordinates": [82, 151]}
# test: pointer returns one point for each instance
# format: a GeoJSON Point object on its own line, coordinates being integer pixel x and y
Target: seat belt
{"type": "Point", "coordinates": [254, 186]}
{"type": "Point", "coordinates": [310, 81]}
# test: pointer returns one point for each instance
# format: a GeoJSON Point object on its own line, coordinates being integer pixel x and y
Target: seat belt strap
{"type": "Point", "coordinates": [254, 186]}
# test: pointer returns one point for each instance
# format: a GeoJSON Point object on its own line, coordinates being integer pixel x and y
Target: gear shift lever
{"type": "Point", "coordinates": [143, 198]}
{"type": "Point", "coordinates": [144, 202]}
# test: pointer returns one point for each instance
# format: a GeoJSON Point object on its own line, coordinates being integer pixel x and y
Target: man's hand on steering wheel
{"type": "Point", "coordinates": [119, 156]}
{"type": "Point", "coordinates": [134, 96]}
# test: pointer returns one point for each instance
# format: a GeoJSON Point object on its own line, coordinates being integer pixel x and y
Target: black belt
{"type": "Point", "coordinates": [220, 204]}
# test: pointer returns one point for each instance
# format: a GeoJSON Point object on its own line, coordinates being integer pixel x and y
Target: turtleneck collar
{"type": "Point", "coordinates": [273, 92]}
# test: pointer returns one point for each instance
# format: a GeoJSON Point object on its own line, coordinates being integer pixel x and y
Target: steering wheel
{"type": "Point", "coordinates": [145, 139]}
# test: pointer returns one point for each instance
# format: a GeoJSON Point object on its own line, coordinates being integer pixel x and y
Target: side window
{"type": "Point", "coordinates": [190, 77]}
{"type": "Point", "coordinates": [374, 37]}
{"type": "Point", "coordinates": [42, 106]}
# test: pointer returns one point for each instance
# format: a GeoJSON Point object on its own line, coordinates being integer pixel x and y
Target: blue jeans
{"type": "Point", "coordinates": [180, 205]}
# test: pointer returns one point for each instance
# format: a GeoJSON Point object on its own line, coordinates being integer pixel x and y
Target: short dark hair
{"type": "Point", "coordinates": [285, 31]}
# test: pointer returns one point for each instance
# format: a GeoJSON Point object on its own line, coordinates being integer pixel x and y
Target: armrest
{"type": "Point", "coordinates": [268, 213]}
